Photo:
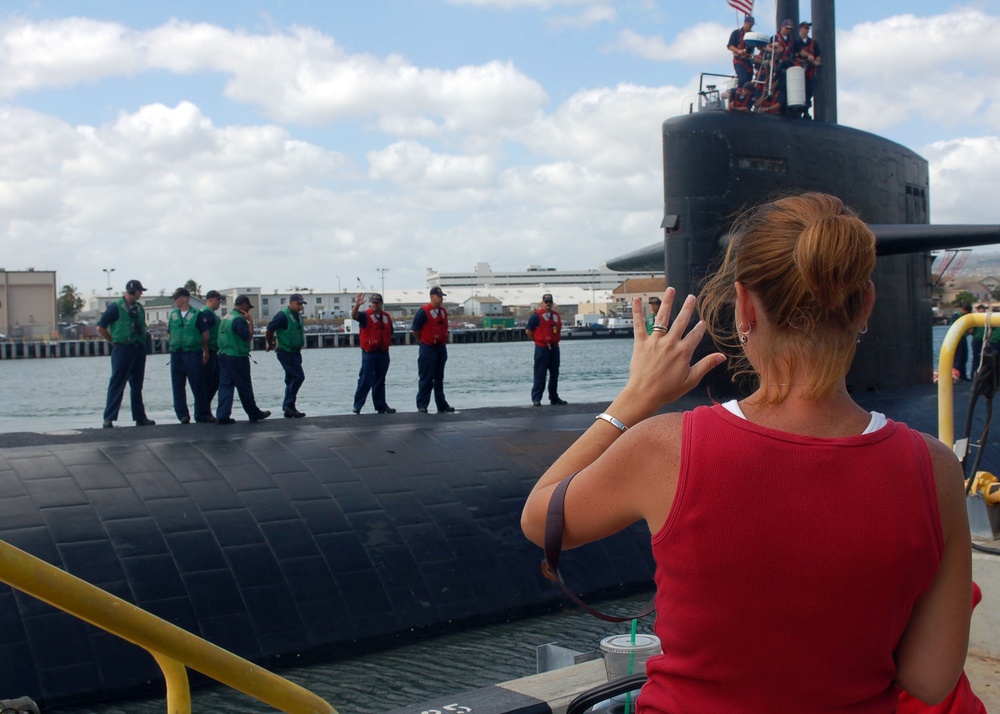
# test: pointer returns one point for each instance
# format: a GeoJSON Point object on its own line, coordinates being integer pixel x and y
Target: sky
{"type": "Point", "coordinates": [330, 145]}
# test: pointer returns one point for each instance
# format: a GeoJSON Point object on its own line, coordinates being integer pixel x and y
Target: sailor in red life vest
{"type": "Point", "coordinates": [545, 328]}
{"type": "Point", "coordinates": [742, 55]}
{"type": "Point", "coordinates": [375, 338]}
{"type": "Point", "coordinates": [430, 325]}
{"type": "Point", "coordinates": [808, 56]}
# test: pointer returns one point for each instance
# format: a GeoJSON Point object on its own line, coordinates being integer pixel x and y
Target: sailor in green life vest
{"type": "Point", "coordinates": [235, 338]}
{"type": "Point", "coordinates": [210, 372]}
{"type": "Point", "coordinates": [188, 332]}
{"type": "Point", "coordinates": [654, 307]}
{"type": "Point", "coordinates": [286, 335]}
{"type": "Point", "coordinates": [123, 324]}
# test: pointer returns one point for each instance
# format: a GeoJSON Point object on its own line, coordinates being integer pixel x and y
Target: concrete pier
{"type": "Point", "coordinates": [96, 347]}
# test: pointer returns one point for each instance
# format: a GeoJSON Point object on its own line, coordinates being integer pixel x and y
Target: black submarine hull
{"type": "Point", "coordinates": [284, 542]}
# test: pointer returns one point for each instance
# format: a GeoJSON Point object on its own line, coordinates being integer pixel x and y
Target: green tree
{"type": "Point", "coordinates": [70, 303]}
{"type": "Point", "coordinates": [193, 288]}
{"type": "Point", "coordinates": [995, 294]}
{"type": "Point", "coordinates": [964, 297]}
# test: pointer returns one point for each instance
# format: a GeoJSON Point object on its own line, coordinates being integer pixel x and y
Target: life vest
{"type": "Point", "coordinates": [121, 329]}
{"type": "Point", "coordinates": [549, 328]}
{"type": "Point", "coordinates": [184, 333]}
{"type": "Point", "coordinates": [435, 330]}
{"type": "Point", "coordinates": [292, 337]}
{"type": "Point", "coordinates": [784, 50]}
{"type": "Point", "coordinates": [231, 343]}
{"type": "Point", "coordinates": [213, 331]}
{"type": "Point", "coordinates": [742, 45]}
{"type": "Point", "coordinates": [376, 335]}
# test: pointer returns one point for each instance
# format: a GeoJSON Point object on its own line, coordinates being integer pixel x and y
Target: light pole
{"type": "Point", "coordinates": [338, 282]}
{"type": "Point", "coordinates": [383, 271]}
{"type": "Point", "coordinates": [107, 272]}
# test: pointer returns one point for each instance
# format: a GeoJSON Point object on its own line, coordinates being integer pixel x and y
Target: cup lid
{"type": "Point", "coordinates": [622, 644]}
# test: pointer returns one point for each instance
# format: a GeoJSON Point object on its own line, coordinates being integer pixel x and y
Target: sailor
{"type": "Point", "coordinates": [375, 337]}
{"type": "Point", "coordinates": [545, 329]}
{"type": "Point", "coordinates": [123, 324]}
{"type": "Point", "coordinates": [654, 307]}
{"type": "Point", "coordinates": [286, 335]}
{"type": "Point", "coordinates": [210, 373]}
{"type": "Point", "coordinates": [743, 98]}
{"type": "Point", "coordinates": [430, 326]}
{"type": "Point", "coordinates": [742, 55]}
{"type": "Point", "coordinates": [235, 338]}
{"type": "Point", "coordinates": [808, 56]}
{"type": "Point", "coordinates": [188, 331]}
{"type": "Point", "coordinates": [783, 55]}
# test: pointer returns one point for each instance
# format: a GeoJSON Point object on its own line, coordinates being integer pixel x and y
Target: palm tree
{"type": "Point", "coordinates": [70, 302]}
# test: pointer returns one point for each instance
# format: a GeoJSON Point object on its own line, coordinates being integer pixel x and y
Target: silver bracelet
{"type": "Point", "coordinates": [612, 421]}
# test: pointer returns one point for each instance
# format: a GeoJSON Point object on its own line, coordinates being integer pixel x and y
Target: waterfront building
{"type": "Point", "coordinates": [483, 305]}
{"type": "Point", "coordinates": [482, 276]}
{"type": "Point", "coordinates": [644, 288]}
{"type": "Point", "coordinates": [28, 304]}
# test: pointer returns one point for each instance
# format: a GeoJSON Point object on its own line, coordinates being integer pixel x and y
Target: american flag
{"type": "Point", "coordinates": [744, 6]}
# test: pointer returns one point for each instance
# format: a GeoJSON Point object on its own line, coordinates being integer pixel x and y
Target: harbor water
{"type": "Point", "coordinates": [68, 394]}
{"type": "Point", "coordinates": [44, 395]}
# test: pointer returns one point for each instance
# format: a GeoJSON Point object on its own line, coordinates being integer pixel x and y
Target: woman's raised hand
{"type": "Point", "coordinates": [661, 370]}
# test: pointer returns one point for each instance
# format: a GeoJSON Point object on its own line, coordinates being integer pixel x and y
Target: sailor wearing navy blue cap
{"type": "Point", "coordinates": [210, 371]}
{"type": "Point", "coordinates": [188, 334]}
{"type": "Point", "coordinates": [235, 338]}
{"type": "Point", "coordinates": [545, 330]}
{"type": "Point", "coordinates": [430, 326]}
{"type": "Point", "coordinates": [123, 324]}
{"type": "Point", "coordinates": [286, 335]}
{"type": "Point", "coordinates": [742, 54]}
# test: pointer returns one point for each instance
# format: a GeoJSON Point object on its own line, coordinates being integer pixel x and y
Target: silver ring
{"type": "Point", "coordinates": [660, 328]}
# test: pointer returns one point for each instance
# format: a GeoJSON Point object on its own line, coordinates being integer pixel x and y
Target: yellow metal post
{"type": "Point", "coordinates": [946, 391]}
{"type": "Point", "coordinates": [169, 644]}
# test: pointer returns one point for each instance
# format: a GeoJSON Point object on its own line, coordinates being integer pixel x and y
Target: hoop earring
{"type": "Point", "coordinates": [744, 334]}
{"type": "Point", "coordinates": [863, 330]}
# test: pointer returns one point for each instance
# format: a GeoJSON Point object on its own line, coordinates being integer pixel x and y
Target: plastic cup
{"type": "Point", "coordinates": [623, 657]}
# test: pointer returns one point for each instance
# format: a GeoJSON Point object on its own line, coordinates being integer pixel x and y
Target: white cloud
{"type": "Point", "coordinates": [964, 174]}
{"type": "Point", "coordinates": [411, 165]}
{"type": "Point", "coordinates": [937, 69]}
{"type": "Point", "coordinates": [702, 44]}
{"type": "Point", "coordinates": [588, 16]}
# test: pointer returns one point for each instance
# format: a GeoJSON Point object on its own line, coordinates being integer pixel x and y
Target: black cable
{"type": "Point", "coordinates": [975, 546]}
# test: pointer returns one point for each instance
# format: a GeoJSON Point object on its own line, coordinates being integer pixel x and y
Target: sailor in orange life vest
{"type": "Point", "coordinates": [430, 325]}
{"type": "Point", "coordinates": [545, 329]}
{"type": "Point", "coordinates": [375, 338]}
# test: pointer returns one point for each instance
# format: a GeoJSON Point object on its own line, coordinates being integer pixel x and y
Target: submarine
{"type": "Point", "coordinates": [718, 163]}
{"type": "Point", "coordinates": [304, 540]}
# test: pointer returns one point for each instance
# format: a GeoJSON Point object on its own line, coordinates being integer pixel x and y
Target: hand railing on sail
{"type": "Point", "coordinates": [173, 648]}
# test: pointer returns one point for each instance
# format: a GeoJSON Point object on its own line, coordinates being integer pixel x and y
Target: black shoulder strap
{"type": "Point", "coordinates": [553, 548]}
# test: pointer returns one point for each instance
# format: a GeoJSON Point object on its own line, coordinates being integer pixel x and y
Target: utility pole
{"type": "Point", "coordinates": [107, 272]}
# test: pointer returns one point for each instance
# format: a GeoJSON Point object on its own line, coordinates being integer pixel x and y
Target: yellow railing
{"type": "Point", "coordinates": [946, 392]}
{"type": "Point", "coordinates": [173, 648]}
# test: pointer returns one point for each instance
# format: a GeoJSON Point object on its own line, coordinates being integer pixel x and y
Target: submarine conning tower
{"type": "Point", "coordinates": [717, 164]}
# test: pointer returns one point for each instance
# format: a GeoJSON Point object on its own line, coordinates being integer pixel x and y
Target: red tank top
{"type": "Point", "coordinates": [376, 335]}
{"type": "Point", "coordinates": [788, 568]}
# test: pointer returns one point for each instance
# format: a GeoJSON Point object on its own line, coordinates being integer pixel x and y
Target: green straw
{"type": "Point", "coordinates": [631, 665]}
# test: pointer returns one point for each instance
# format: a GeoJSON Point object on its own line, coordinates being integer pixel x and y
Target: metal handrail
{"type": "Point", "coordinates": [946, 391]}
{"type": "Point", "coordinates": [173, 648]}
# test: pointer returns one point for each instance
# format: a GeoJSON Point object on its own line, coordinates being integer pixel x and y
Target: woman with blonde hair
{"type": "Point", "coordinates": [811, 556]}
